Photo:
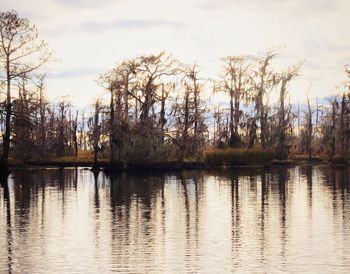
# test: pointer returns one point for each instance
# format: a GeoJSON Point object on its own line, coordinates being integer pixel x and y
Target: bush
{"type": "Point", "coordinates": [231, 157]}
{"type": "Point", "coordinates": [305, 157]}
{"type": "Point", "coordinates": [340, 160]}
{"type": "Point", "coordinates": [299, 157]}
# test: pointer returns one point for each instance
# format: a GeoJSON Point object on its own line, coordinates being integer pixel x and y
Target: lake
{"type": "Point", "coordinates": [236, 220]}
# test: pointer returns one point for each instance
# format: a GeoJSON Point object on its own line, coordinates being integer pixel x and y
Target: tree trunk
{"type": "Point", "coordinates": [231, 117]}
{"type": "Point", "coordinates": [6, 138]}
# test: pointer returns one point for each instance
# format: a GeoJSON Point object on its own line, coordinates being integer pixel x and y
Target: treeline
{"type": "Point", "coordinates": [160, 109]}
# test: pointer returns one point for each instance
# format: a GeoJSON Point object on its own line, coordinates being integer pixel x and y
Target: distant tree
{"type": "Point", "coordinates": [307, 132]}
{"type": "Point", "coordinates": [347, 71]}
{"type": "Point", "coordinates": [235, 80]}
{"type": "Point", "coordinates": [139, 90]}
{"type": "Point", "coordinates": [94, 124]}
{"type": "Point", "coordinates": [42, 105]}
{"type": "Point", "coordinates": [23, 123]}
{"type": "Point", "coordinates": [335, 127]}
{"type": "Point", "coordinates": [327, 128]}
{"type": "Point", "coordinates": [265, 80]}
{"type": "Point", "coordinates": [74, 131]}
{"type": "Point", "coordinates": [151, 70]}
{"type": "Point", "coordinates": [221, 134]}
{"type": "Point", "coordinates": [82, 136]}
{"type": "Point", "coordinates": [189, 111]}
{"type": "Point", "coordinates": [251, 131]}
{"type": "Point", "coordinates": [284, 116]}
{"type": "Point", "coordinates": [61, 121]}
{"type": "Point", "coordinates": [121, 84]}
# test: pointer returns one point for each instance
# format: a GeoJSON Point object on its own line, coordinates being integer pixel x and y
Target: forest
{"type": "Point", "coordinates": [159, 110]}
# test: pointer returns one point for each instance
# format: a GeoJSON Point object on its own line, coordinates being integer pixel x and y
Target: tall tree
{"type": "Point", "coordinates": [235, 81]}
{"type": "Point", "coordinates": [152, 70]}
{"type": "Point", "coordinates": [284, 112]}
{"type": "Point", "coordinates": [95, 127]}
{"type": "Point", "coordinates": [265, 80]}
{"type": "Point", "coordinates": [308, 128]}
{"type": "Point", "coordinates": [21, 52]}
{"type": "Point", "coordinates": [188, 112]}
{"type": "Point", "coordinates": [61, 122]}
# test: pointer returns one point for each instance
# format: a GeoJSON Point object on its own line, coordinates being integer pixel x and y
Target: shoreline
{"type": "Point", "coordinates": [166, 166]}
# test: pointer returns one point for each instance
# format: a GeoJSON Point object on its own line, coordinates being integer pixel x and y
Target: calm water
{"type": "Point", "coordinates": [260, 221]}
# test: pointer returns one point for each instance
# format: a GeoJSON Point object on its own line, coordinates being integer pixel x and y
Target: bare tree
{"type": "Point", "coordinates": [63, 108]}
{"type": "Point", "coordinates": [151, 71]}
{"type": "Point", "coordinates": [140, 86]}
{"type": "Point", "coordinates": [308, 129]}
{"type": "Point", "coordinates": [42, 106]}
{"type": "Point", "coordinates": [284, 113]}
{"type": "Point", "coordinates": [235, 80]}
{"type": "Point", "coordinates": [21, 52]}
{"type": "Point", "coordinates": [23, 125]}
{"type": "Point", "coordinates": [74, 134]}
{"type": "Point", "coordinates": [189, 114]}
{"type": "Point", "coordinates": [265, 79]}
{"type": "Point", "coordinates": [95, 129]}
{"type": "Point", "coordinates": [220, 129]}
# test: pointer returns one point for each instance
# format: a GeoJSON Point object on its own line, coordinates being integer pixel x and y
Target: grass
{"type": "Point", "coordinates": [305, 158]}
{"type": "Point", "coordinates": [84, 158]}
{"type": "Point", "coordinates": [232, 157]}
{"type": "Point", "coordinates": [211, 158]}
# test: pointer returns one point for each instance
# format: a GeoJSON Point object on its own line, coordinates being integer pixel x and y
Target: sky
{"type": "Point", "coordinates": [90, 37]}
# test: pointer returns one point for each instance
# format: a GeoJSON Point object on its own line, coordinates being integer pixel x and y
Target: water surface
{"type": "Point", "coordinates": [253, 220]}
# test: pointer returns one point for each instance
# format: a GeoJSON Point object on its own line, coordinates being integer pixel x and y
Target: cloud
{"type": "Point", "coordinates": [271, 5]}
{"type": "Point", "coordinates": [86, 4]}
{"type": "Point", "coordinates": [88, 35]}
{"type": "Point", "coordinates": [76, 73]}
{"type": "Point", "coordinates": [99, 26]}
{"type": "Point", "coordinates": [96, 26]}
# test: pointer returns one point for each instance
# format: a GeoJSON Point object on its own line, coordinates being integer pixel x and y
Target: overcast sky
{"type": "Point", "coordinates": [89, 37]}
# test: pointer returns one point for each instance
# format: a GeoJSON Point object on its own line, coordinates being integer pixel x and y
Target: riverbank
{"type": "Point", "coordinates": [232, 158]}
{"type": "Point", "coordinates": [165, 166]}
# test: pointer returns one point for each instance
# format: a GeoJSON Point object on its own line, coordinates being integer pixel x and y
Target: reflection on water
{"type": "Point", "coordinates": [267, 220]}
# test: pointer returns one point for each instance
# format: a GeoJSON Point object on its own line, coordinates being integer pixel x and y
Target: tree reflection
{"type": "Point", "coordinates": [337, 180]}
{"type": "Point", "coordinates": [282, 180]}
{"type": "Point", "coordinates": [7, 202]}
{"type": "Point", "coordinates": [97, 196]}
{"type": "Point", "coordinates": [133, 202]}
{"type": "Point", "coordinates": [147, 219]}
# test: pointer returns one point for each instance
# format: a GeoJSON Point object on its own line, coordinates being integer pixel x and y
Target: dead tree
{"type": "Point", "coordinates": [74, 134]}
{"type": "Point", "coordinates": [63, 108]}
{"type": "Point", "coordinates": [95, 131]}
{"type": "Point", "coordinates": [309, 128]}
{"type": "Point", "coordinates": [42, 105]}
{"type": "Point", "coordinates": [221, 134]}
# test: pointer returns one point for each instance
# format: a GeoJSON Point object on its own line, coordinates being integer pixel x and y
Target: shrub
{"type": "Point", "coordinates": [340, 160]}
{"type": "Point", "coordinates": [231, 157]}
